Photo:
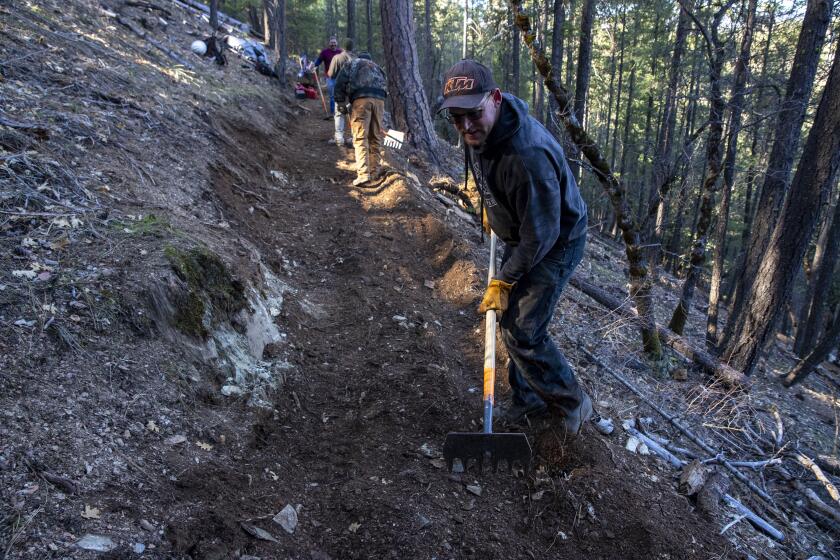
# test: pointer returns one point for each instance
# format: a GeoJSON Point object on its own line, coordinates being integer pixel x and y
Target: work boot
{"type": "Point", "coordinates": [574, 422]}
{"type": "Point", "coordinates": [513, 415]}
{"type": "Point", "coordinates": [361, 180]}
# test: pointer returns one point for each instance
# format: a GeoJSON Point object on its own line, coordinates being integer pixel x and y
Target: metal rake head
{"type": "Point", "coordinates": [482, 448]}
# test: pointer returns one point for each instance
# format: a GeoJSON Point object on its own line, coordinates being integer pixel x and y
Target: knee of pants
{"type": "Point", "coordinates": [517, 339]}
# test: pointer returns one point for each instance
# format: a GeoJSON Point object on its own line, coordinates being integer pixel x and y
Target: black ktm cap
{"type": "Point", "coordinates": [465, 84]}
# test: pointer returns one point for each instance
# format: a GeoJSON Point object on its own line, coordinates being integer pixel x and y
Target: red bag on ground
{"type": "Point", "coordinates": [311, 93]}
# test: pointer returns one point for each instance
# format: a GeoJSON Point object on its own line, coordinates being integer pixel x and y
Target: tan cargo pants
{"type": "Point", "coordinates": [366, 116]}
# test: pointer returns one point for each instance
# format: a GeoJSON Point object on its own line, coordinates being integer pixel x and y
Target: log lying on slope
{"type": "Point", "coordinates": [729, 376]}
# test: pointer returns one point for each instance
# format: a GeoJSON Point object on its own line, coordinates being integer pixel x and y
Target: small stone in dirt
{"type": "Point", "coordinates": [429, 284]}
{"type": "Point", "coordinates": [147, 526]}
{"type": "Point", "coordinates": [97, 543]}
{"type": "Point", "coordinates": [287, 518]}
{"type": "Point", "coordinates": [138, 548]}
{"type": "Point", "coordinates": [474, 489]}
{"type": "Point", "coordinates": [258, 532]}
{"type": "Point", "coordinates": [231, 390]}
{"type": "Point", "coordinates": [468, 506]}
{"type": "Point", "coordinates": [421, 522]}
{"type": "Point", "coordinates": [457, 466]}
{"type": "Point", "coordinates": [175, 440]}
{"type": "Point", "coordinates": [438, 463]}
{"type": "Point", "coordinates": [397, 318]}
{"type": "Point", "coordinates": [429, 452]}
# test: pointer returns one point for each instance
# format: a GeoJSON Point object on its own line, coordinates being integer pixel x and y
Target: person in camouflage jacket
{"type": "Point", "coordinates": [363, 84]}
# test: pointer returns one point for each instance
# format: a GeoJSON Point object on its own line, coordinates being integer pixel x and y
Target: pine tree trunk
{"type": "Point", "coordinates": [752, 171]}
{"type": "Point", "coordinates": [351, 20]}
{"type": "Point", "coordinates": [268, 26]}
{"type": "Point", "coordinates": [714, 153]}
{"type": "Point", "coordinates": [570, 46]}
{"type": "Point", "coordinates": [653, 221]}
{"type": "Point", "coordinates": [556, 61]}
{"type": "Point", "coordinates": [822, 273]}
{"type": "Point", "coordinates": [369, 22]}
{"type": "Point", "coordinates": [428, 49]}
{"type": "Point", "coordinates": [279, 21]}
{"type": "Point", "coordinates": [515, 62]}
{"type": "Point", "coordinates": [584, 68]}
{"type": "Point", "coordinates": [611, 89]}
{"type": "Point", "coordinates": [410, 109]}
{"type": "Point", "coordinates": [809, 190]}
{"type": "Point", "coordinates": [785, 143]}
{"type": "Point", "coordinates": [639, 284]}
{"type": "Point", "coordinates": [619, 90]}
{"type": "Point", "coordinates": [810, 362]}
{"type": "Point", "coordinates": [214, 15]}
{"type": "Point", "coordinates": [719, 239]}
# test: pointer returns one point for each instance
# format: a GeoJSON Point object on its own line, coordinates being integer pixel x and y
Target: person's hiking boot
{"type": "Point", "coordinates": [574, 422]}
{"type": "Point", "coordinates": [361, 180]}
{"type": "Point", "coordinates": [519, 416]}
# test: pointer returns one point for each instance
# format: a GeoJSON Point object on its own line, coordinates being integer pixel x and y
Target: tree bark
{"type": "Point", "coordinates": [410, 109]}
{"type": "Point", "coordinates": [351, 20]}
{"type": "Point", "coordinates": [556, 60]}
{"type": "Point", "coordinates": [611, 89]}
{"type": "Point", "coordinates": [697, 256]}
{"type": "Point", "coordinates": [811, 325]}
{"type": "Point", "coordinates": [515, 62]}
{"type": "Point", "coordinates": [809, 363]}
{"type": "Point", "coordinates": [428, 49]}
{"type": "Point", "coordinates": [279, 20]}
{"type": "Point", "coordinates": [662, 155]}
{"type": "Point", "coordinates": [268, 27]}
{"type": "Point", "coordinates": [640, 285]}
{"type": "Point", "coordinates": [719, 239]}
{"type": "Point", "coordinates": [809, 191]}
{"type": "Point", "coordinates": [788, 128]}
{"type": "Point", "coordinates": [584, 68]}
{"type": "Point", "coordinates": [621, 45]}
{"type": "Point", "coordinates": [214, 15]}
{"type": "Point", "coordinates": [369, 22]}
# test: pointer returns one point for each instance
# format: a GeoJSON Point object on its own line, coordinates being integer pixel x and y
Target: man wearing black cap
{"type": "Point", "coordinates": [533, 204]}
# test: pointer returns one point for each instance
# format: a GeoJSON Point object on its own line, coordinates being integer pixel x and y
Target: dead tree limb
{"type": "Point", "coordinates": [729, 376]}
{"type": "Point", "coordinates": [684, 430]}
{"type": "Point", "coordinates": [814, 468]}
{"type": "Point", "coordinates": [640, 277]}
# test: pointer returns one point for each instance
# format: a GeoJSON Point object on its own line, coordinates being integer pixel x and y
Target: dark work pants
{"type": "Point", "coordinates": [538, 370]}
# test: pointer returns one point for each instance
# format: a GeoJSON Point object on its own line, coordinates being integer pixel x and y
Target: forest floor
{"type": "Point", "coordinates": [203, 323]}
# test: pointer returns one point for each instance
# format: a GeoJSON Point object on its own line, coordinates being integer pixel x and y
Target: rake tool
{"type": "Point", "coordinates": [486, 446]}
{"type": "Point", "coordinates": [321, 91]}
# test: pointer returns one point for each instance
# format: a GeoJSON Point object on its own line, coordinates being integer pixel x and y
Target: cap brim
{"type": "Point", "coordinates": [463, 101]}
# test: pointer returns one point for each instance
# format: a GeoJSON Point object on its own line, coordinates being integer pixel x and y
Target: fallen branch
{"type": "Point", "coordinates": [685, 431]}
{"type": "Point", "coordinates": [828, 463]}
{"type": "Point", "coordinates": [814, 468]}
{"type": "Point", "coordinates": [816, 502]}
{"type": "Point", "coordinates": [654, 446]}
{"type": "Point", "coordinates": [709, 363]}
{"type": "Point", "coordinates": [757, 521]}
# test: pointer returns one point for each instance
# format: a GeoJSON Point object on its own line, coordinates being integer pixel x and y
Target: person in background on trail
{"type": "Point", "coordinates": [362, 82]}
{"type": "Point", "coordinates": [325, 57]}
{"type": "Point", "coordinates": [338, 62]}
{"type": "Point", "coordinates": [529, 198]}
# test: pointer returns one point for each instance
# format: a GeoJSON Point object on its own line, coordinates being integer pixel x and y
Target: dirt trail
{"type": "Point", "coordinates": [385, 365]}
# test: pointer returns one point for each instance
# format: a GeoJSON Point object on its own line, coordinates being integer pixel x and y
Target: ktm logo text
{"type": "Point", "coordinates": [458, 83]}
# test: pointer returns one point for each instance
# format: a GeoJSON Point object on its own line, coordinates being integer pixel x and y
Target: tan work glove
{"type": "Point", "coordinates": [485, 221]}
{"type": "Point", "coordinates": [495, 296]}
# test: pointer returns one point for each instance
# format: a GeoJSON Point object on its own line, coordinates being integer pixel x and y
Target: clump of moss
{"type": "Point", "coordinates": [209, 282]}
